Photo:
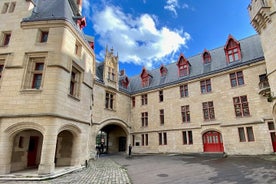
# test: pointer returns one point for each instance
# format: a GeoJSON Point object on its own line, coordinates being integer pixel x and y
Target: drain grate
{"type": "Point", "coordinates": [162, 175]}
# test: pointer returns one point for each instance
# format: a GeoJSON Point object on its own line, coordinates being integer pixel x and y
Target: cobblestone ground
{"type": "Point", "coordinates": [101, 171]}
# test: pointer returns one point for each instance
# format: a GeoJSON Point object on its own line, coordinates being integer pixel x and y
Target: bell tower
{"type": "Point", "coordinates": [263, 19]}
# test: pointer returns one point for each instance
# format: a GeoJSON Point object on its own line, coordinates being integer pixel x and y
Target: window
{"type": "Point", "coordinates": [241, 106]}
{"type": "Point", "coordinates": [133, 101]}
{"type": "Point", "coordinates": [111, 73]}
{"type": "Point", "coordinates": [208, 110]}
{"type": "Point", "coordinates": [144, 99]}
{"type": "Point", "coordinates": [236, 79]}
{"type": "Point", "coordinates": [75, 82]}
{"type": "Point", "coordinates": [145, 78]}
{"type": "Point", "coordinates": [206, 57]}
{"type": "Point", "coordinates": [162, 138]}
{"type": "Point", "coordinates": [12, 7]}
{"type": "Point", "coordinates": [205, 86]}
{"type": "Point", "coordinates": [162, 120]}
{"type": "Point", "coordinates": [144, 119]}
{"type": "Point", "coordinates": [185, 112]}
{"type": "Point", "coordinates": [44, 36]}
{"type": "Point", "coordinates": [232, 50]}
{"type": "Point", "coordinates": [187, 137]}
{"type": "Point", "coordinates": [109, 100]}
{"type": "Point", "coordinates": [5, 8]}
{"type": "Point", "coordinates": [145, 140]}
{"type": "Point", "coordinates": [34, 73]}
{"type": "Point", "coordinates": [246, 134]}
{"type": "Point", "coordinates": [163, 71]}
{"type": "Point", "coordinates": [78, 48]}
{"type": "Point", "coordinates": [184, 91]}
{"type": "Point", "coordinates": [2, 63]}
{"type": "Point", "coordinates": [161, 97]}
{"type": "Point", "coordinates": [6, 38]}
{"type": "Point", "coordinates": [183, 66]}
{"type": "Point", "coordinates": [271, 125]}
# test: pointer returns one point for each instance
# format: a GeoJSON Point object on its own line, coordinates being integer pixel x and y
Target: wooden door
{"type": "Point", "coordinates": [32, 151]}
{"type": "Point", "coordinates": [122, 144]}
{"type": "Point", "coordinates": [212, 142]}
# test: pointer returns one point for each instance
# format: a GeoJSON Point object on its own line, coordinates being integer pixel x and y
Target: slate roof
{"type": "Point", "coordinates": [251, 52]}
{"type": "Point", "coordinates": [66, 10]}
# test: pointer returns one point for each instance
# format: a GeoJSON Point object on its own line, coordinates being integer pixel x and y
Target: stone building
{"type": "Point", "coordinates": [58, 103]}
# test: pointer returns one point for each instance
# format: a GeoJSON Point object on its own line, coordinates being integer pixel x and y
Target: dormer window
{"type": "Point", "coordinates": [206, 56]}
{"type": "Point", "coordinates": [183, 66]}
{"type": "Point", "coordinates": [145, 78]}
{"type": "Point", "coordinates": [80, 21]}
{"type": "Point", "coordinates": [163, 71]}
{"type": "Point", "coordinates": [232, 50]}
{"type": "Point", "coordinates": [125, 82]}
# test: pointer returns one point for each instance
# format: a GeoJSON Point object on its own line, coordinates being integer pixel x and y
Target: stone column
{"type": "Point", "coordinates": [47, 164]}
{"type": "Point", "coordinates": [5, 153]}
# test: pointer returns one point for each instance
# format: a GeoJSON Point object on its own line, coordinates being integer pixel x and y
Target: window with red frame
{"type": "Point", "coordinates": [37, 75]}
{"type": "Point", "coordinates": [145, 140]}
{"type": "Point", "coordinates": [125, 82]}
{"type": "Point", "coordinates": [162, 138]}
{"type": "Point", "coordinates": [246, 134]}
{"type": "Point", "coordinates": [187, 137]}
{"type": "Point", "coordinates": [144, 119]}
{"type": "Point", "coordinates": [206, 57]}
{"type": "Point", "coordinates": [241, 106]}
{"type": "Point", "coordinates": [6, 40]}
{"type": "Point", "coordinates": [145, 81]}
{"type": "Point", "coordinates": [161, 96]}
{"type": "Point", "coordinates": [163, 71]}
{"type": "Point", "coordinates": [144, 99]}
{"type": "Point", "coordinates": [44, 36]}
{"type": "Point", "coordinates": [232, 50]}
{"type": "Point", "coordinates": [184, 91]}
{"type": "Point", "coordinates": [205, 86]}
{"type": "Point", "coordinates": [236, 79]}
{"type": "Point", "coordinates": [183, 66]}
{"type": "Point", "coordinates": [208, 110]}
{"type": "Point", "coordinates": [185, 113]}
{"type": "Point", "coordinates": [162, 118]}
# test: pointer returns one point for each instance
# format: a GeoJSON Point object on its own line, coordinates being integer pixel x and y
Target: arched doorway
{"type": "Point", "coordinates": [26, 150]}
{"type": "Point", "coordinates": [64, 148]}
{"type": "Point", "coordinates": [111, 138]}
{"type": "Point", "coordinates": [212, 142]}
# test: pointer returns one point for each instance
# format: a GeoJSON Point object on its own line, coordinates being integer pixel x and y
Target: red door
{"type": "Point", "coordinates": [212, 142]}
{"type": "Point", "coordinates": [32, 151]}
{"type": "Point", "coordinates": [273, 139]}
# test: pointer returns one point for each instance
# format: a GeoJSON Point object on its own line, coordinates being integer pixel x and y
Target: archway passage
{"type": "Point", "coordinates": [111, 139]}
{"type": "Point", "coordinates": [26, 150]}
{"type": "Point", "coordinates": [212, 142]}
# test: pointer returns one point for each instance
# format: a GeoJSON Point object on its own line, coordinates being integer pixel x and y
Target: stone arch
{"type": "Point", "coordinates": [112, 136]}
{"type": "Point", "coordinates": [68, 145]}
{"type": "Point", "coordinates": [115, 121]}
{"type": "Point", "coordinates": [15, 128]}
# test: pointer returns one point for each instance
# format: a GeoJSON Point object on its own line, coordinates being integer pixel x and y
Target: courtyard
{"type": "Point", "coordinates": [173, 169]}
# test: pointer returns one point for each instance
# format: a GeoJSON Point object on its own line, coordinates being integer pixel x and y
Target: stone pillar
{"type": "Point", "coordinates": [5, 153]}
{"type": "Point", "coordinates": [47, 165]}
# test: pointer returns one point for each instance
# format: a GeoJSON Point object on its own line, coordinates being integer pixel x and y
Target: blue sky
{"type": "Point", "coordinates": [149, 33]}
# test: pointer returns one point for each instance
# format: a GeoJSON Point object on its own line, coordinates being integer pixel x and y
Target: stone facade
{"type": "Point", "coordinates": [56, 100]}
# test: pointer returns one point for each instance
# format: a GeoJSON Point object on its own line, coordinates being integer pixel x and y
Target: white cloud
{"type": "Point", "coordinates": [173, 5]}
{"type": "Point", "coordinates": [136, 39]}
